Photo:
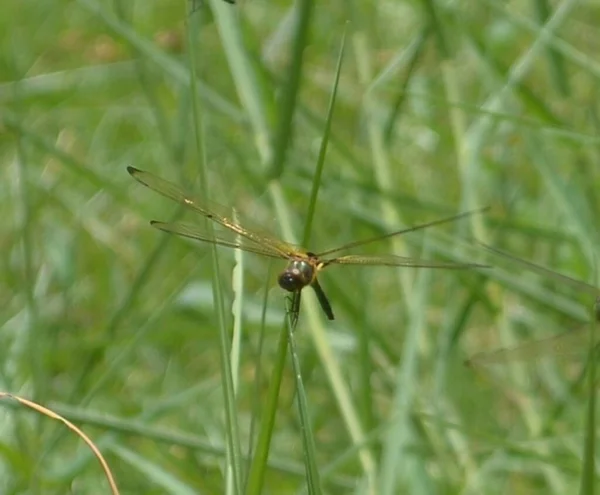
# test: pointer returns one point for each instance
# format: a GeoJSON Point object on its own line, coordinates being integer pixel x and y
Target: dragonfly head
{"type": "Point", "coordinates": [297, 275]}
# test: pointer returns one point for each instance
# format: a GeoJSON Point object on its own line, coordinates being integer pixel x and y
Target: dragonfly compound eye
{"type": "Point", "coordinates": [291, 281]}
{"type": "Point", "coordinates": [296, 276]}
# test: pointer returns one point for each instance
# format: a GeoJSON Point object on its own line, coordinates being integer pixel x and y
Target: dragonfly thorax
{"type": "Point", "coordinates": [297, 275]}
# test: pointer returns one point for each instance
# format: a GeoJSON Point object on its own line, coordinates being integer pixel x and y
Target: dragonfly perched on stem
{"type": "Point", "coordinates": [572, 342]}
{"type": "Point", "coordinates": [303, 266]}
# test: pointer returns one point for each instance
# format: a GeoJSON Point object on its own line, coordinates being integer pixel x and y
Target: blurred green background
{"type": "Point", "coordinates": [441, 108]}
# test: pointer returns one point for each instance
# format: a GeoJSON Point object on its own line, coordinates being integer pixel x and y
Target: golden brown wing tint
{"type": "Point", "coordinates": [393, 260]}
{"type": "Point", "coordinates": [213, 211]}
{"type": "Point", "coordinates": [198, 233]}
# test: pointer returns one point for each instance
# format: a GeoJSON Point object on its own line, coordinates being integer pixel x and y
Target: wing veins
{"type": "Point", "coordinates": [174, 192]}
{"type": "Point", "coordinates": [193, 232]}
{"type": "Point", "coordinates": [406, 230]}
{"type": "Point", "coordinates": [393, 260]}
{"type": "Point", "coordinates": [544, 271]}
{"type": "Point", "coordinates": [574, 342]}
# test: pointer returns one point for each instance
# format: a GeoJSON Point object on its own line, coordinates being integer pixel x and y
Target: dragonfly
{"type": "Point", "coordinates": [303, 266]}
{"type": "Point", "coordinates": [573, 342]}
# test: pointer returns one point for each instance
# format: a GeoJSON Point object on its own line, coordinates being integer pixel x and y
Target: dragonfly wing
{"type": "Point", "coordinates": [406, 230]}
{"type": "Point", "coordinates": [573, 343]}
{"type": "Point", "coordinates": [393, 260]}
{"type": "Point", "coordinates": [213, 211]}
{"type": "Point", "coordinates": [542, 270]}
{"type": "Point", "coordinates": [197, 233]}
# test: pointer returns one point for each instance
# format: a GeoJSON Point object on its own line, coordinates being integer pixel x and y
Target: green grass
{"type": "Point", "coordinates": [174, 358]}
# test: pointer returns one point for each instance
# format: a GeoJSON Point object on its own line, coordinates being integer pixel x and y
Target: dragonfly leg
{"type": "Point", "coordinates": [293, 308]}
{"type": "Point", "coordinates": [323, 301]}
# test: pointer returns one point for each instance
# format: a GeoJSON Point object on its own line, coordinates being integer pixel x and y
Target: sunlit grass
{"type": "Point", "coordinates": [440, 108]}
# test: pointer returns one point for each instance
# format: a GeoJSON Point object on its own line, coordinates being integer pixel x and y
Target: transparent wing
{"type": "Point", "coordinates": [573, 343]}
{"type": "Point", "coordinates": [414, 228]}
{"type": "Point", "coordinates": [393, 260]}
{"type": "Point", "coordinates": [542, 270]}
{"type": "Point", "coordinates": [197, 233]}
{"type": "Point", "coordinates": [213, 211]}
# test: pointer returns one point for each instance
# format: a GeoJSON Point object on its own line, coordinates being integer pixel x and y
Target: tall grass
{"type": "Point", "coordinates": [127, 332]}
